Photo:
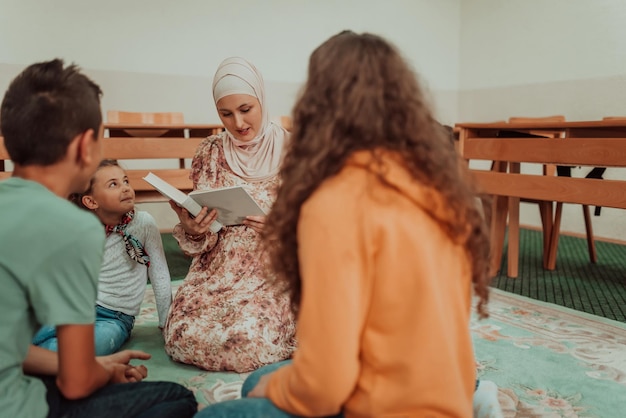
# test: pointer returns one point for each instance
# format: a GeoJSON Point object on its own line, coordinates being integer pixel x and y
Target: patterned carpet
{"type": "Point", "coordinates": [548, 361]}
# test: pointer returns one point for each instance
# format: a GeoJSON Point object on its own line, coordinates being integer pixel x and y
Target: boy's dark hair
{"type": "Point", "coordinates": [77, 198]}
{"type": "Point", "coordinates": [44, 108]}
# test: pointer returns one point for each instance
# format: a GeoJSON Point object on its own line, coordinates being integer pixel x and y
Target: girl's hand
{"type": "Point", "coordinates": [194, 226]}
{"type": "Point", "coordinates": [255, 222]}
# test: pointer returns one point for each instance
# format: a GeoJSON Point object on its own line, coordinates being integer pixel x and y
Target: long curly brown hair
{"type": "Point", "coordinates": [362, 95]}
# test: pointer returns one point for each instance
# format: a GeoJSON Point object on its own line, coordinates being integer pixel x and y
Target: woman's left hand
{"type": "Point", "coordinates": [255, 222]}
{"type": "Point", "coordinates": [260, 390]}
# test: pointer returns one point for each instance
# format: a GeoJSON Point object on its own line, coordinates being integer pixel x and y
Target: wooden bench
{"type": "Point", "coordinates": [508, 183]}
{"type": "Point", "coordinates": [140, 156]}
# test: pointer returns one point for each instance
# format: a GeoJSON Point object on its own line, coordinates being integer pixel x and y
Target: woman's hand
{"type": "Point", "coordinates": [194, 226]}
{"type": "Point", "coordinates": [255, 222]}
{"type": "Point", "coordinates": [260, 390]}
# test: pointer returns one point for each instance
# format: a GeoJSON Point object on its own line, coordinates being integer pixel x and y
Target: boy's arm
{"type": "Point", "coordinates": [79, 374]}
{"type": "Point", "coordinates": [40, 361]}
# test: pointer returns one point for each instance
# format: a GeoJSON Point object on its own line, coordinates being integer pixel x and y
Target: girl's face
{"type": "Point", "coordinates": [241, 115]}
{"type": "Point", "coordinates": [111, 193]}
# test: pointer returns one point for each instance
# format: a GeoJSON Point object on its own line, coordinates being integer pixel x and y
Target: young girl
{"type": "Point", "coordinates": [133, 253]}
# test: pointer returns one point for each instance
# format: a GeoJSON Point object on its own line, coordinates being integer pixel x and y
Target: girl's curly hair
{"type": "Point", "coordinates": [362, 95]}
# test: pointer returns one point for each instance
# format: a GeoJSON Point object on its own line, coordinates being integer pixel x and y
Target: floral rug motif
{"type": "Point", "coordinates": [548, 361]}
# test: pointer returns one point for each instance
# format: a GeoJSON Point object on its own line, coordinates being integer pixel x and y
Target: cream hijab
{"type": "Point", "coordinates": [260, 158]}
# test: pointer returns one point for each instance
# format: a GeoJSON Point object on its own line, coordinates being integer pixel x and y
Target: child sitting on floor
{"type": "Point", "coordinates": [133, 253]}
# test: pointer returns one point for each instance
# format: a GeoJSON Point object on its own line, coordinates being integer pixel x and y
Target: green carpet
{"type": "Point", "coordinates": [547, 360]}
{"type": "Point", "coordinates": [177, 262]}
{"type": "Point", "coordinates": [598, 289]}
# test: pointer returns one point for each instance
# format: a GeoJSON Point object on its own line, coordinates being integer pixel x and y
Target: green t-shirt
{"type": "Point", "coordinates": [49, 263]}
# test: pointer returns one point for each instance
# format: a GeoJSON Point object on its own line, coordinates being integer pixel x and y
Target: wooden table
{"type": "Point", "coordinates": [184, 130]}
{"type": "Point", "coordinates": [144, 131]}
{"type": "Point", "coordinates": [480, 139]}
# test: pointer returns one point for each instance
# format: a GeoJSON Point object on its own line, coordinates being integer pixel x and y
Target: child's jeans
{"type": "Point", "coordinates": [111, 330]}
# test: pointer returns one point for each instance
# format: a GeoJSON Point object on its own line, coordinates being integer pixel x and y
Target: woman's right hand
{"type": "Point", "coordinates": [194, 226]}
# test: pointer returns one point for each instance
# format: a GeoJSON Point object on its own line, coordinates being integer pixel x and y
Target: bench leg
{"type": "Point", "coordinates": [554, 241]}
{"type": "Point", "coordinates": [498, 227]}
{"type": "Point", "coordinates": [545, 210]}
{"type": "Point", "coordinates": [591, 244]}
{"type": "Point", "coordinates": [513, 251]}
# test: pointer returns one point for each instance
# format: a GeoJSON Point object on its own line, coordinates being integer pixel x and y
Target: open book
{"type": "Point", "coordinates": [233, 204]}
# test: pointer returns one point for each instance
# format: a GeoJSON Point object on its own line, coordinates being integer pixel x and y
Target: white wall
{"type": "Point", "coordinates": [542, 57]}
{"type": "Point", "coordinates": [519, 42]}
{"type": "Point", "coordinates": [160, 55]}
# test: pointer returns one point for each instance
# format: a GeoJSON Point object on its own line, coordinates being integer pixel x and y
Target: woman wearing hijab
{"type": "Point", "coordinates": [227, 314]}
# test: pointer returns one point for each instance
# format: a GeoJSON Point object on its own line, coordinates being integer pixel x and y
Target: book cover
{"type": "Point", "coordinates": [233, 204]}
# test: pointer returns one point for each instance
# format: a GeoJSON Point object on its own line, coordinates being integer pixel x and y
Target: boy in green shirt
{"type": "Point", "coordinates": [51, 254]}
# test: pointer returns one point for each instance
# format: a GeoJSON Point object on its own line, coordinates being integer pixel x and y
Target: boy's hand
{"type": "Point", "coordinates": [123, 357]}
{"type": "Point", "coordinates": [135, 373]}
{"type": "Point", "coordinates": [119, 367]}
{"type": "Point", "coordinates": [120, 373]}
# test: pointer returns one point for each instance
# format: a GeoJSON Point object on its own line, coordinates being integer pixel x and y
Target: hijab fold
{"type": "Point", "coordinates": [258, 159]}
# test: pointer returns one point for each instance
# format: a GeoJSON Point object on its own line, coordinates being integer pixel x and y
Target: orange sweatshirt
{"type": "Point", "coordinates": [383, 329]}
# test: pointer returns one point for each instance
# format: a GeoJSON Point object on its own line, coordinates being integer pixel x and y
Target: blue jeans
{"type": "Point", "coordinates": [111, 330]}
{"type": "Point", "coordinates": [249, 407]}
{"type": "Point", "coordinates": [124, 400]}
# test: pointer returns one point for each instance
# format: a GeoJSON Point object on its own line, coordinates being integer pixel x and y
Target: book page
{"type": "Point", "coordinates": [233, 204]}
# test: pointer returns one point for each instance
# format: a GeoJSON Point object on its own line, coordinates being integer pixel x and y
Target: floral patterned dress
{"type": "Point", "coordinates": [228, 314]}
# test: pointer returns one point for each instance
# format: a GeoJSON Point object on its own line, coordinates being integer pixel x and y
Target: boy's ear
{"type": "Point", "coordinates": [85, 147]}
{"type": "Point", "coordinates": [89, 202]}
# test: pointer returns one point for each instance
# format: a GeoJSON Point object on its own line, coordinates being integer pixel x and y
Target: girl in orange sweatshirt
{"type": "Point", "coordinates": [377, 237]}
